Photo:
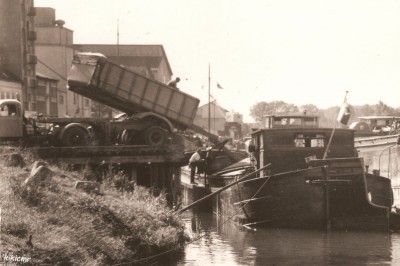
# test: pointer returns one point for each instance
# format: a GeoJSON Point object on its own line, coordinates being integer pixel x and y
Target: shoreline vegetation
{"type": "Point", "coordinates": [50, 221]}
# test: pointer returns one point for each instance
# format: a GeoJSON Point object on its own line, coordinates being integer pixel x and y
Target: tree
{"type": "Point", "coordinates": [383, 109]}
{"type": "Point", "coordinates": [260, 109]}
{"type": "Point", "coordinates": [309, 109]}
{"type": "Point", "coordinates": [327, 117]}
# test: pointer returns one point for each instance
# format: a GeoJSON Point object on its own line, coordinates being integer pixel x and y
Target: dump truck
{"type": "Point", "coordinates": [99, 79]}
{"type": "Point", "coordinates": [152, 112]}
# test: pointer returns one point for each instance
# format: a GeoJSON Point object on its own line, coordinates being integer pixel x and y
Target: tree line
{"type": "Point", "coordinates": [327, 116]}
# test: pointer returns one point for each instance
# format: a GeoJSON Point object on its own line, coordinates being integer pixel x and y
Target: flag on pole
{"type": "Point", "coordinates": [344, 112]}
{"type": "Point", "coordinates": [212, 98]}
{"type": "Point", "coordinates": [219, 86]}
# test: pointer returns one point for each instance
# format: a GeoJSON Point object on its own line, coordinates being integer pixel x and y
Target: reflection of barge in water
{"type": "Point", "coordinates": [300, 189]}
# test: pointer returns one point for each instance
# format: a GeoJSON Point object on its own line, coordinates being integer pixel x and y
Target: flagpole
{"type": "Point", "coordinates": [209, 103]}
{"type": "Point", "coordinates": [118, 41]}
{"type": "Point", "coordinates": [333, 131]}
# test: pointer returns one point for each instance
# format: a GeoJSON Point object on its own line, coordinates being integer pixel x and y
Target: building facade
{"type": "Point", "coordinates": [54, 50]}
{"type": "Point", "coordinates": [217, 118]}
{"type": "Point", "coordinates": [10, 85]}
{"type": "Point", "coordinates": [37, 50]}
{"type": "Point", "coordinates": [149, 60]}
{"type": "Point", "coordinates": [17, 46]}
{"type": "Point", "coordinates": [47, 95]}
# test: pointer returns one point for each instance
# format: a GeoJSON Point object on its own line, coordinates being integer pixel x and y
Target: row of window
{"type": "Point", "coordinates": [9, 95]}
{"type": "Point", "coordinates": [53, 99]}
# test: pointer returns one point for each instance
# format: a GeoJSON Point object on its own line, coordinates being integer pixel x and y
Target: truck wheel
{"type": "Point", "coordinates": [155, 135]}
{"type": "Point", "coordinates": [128, 136]}
{"type": "Point", "coordinates": [75, 136]}
{"type": "Point", "coordinates": [157, 121]}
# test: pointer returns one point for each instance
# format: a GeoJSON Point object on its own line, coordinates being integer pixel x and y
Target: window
{"type": "Point", "coordinates": [381, 122]}
{"type": "Point", "coordinates": [155, 72]}
{"type": "Point", "coordinates": [41, 90]}
{"type": "Point", "coordinates": [61, 99]}
{"type": "Point", "coordinates": [310, 121]}
{"type": "Point", "coordinates": [309, 140]}
{"type": "Point", "coordinates": [295, 121]}
{"type": "Point", "coordinates": [8, 110]}
{"type": "Point", "coordinates": [86, 102]}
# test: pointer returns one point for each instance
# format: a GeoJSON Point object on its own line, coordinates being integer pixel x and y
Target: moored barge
{"type": "Point", "coordinates": [302, 187]}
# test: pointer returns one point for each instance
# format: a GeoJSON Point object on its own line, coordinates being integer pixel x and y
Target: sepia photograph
{"type": "Point", "coordinates": [185, 133]}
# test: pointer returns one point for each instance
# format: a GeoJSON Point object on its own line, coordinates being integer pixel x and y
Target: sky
{"type": "Point", "coordinates": [299, 52]}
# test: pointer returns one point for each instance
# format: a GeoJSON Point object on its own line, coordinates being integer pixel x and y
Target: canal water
{"type": "Point", "coordinates": [219, 242]}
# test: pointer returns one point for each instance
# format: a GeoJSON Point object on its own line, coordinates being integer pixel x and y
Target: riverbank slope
{"type": "Point", "coordinates": [50, 221]}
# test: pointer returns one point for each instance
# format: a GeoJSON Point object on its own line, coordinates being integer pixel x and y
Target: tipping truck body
{"type": "Point", "coordinates": [95, 77]}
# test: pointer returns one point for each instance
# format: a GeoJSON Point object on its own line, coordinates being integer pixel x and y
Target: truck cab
{"type": "Point", "coordinates": [11, 119]}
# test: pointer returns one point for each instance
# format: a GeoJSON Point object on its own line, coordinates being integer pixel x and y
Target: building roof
{"type": "Point", "coordinates": [216, 105]}
{"type": "Point", "coordinates": [291, 116]}
{"type": "Point", "coordinates": [217, 111]}
{"type": "Point", "coordinates": [43, 76]}
{"type": "Point", "coordinates": [378, 117]}
{"type": "Point", "coordinates": [6, 75]}
{"type": "Point", "coordinates": [150, 54]}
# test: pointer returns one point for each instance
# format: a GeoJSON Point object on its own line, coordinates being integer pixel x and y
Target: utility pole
{"type": "Point", "coordinates": [24, 78]}
{"type": "Point", "coordinates": [209, 103]}
{"type": "Point", "coordinates": [118, 41]}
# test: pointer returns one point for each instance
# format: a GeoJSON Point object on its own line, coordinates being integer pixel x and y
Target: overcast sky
{"type": "Point", "coordinates": [296, 51]}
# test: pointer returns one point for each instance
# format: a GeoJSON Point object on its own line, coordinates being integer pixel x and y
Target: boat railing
{"type": "Point", "coordinates": [379, 161]}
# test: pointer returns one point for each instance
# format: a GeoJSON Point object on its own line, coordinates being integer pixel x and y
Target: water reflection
{"type": "Point", "coordinates": [222, 243]}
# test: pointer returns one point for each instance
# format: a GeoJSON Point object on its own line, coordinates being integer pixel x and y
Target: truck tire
{"type": "Point", "coordinates": [157, 121]}
{"type": "Point", "coordinates": [75, 136]}
{"type": "Point", "coordinates": [128, 136]}
{"type": "Point", "coordinates": [155, 135]}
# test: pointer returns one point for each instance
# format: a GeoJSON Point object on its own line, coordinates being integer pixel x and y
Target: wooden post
{"type": "Point", "coordinates": [175, 185]}
{"type": "Point", "coordinates": [134, 175]}
{"type": "Point", "coordinates": [327, 196]}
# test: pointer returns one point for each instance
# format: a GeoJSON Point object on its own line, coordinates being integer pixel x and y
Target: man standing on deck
{"type": "Point", "coordinates": [194, 162]}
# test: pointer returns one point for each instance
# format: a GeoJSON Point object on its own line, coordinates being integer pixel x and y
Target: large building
{"type": "Point", "coordinates": [54, 50]}
{"type": "Point", "coordinates": [17, 46]}
{"type": "Point", "coordinates": [36, 50]}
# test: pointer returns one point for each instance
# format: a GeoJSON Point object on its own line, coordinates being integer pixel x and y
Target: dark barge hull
{"type": "Point", "coordinates": [337, 196]}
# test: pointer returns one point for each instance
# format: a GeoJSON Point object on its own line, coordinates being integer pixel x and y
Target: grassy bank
{"type": "Point", "coordinates": [70, 227]}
